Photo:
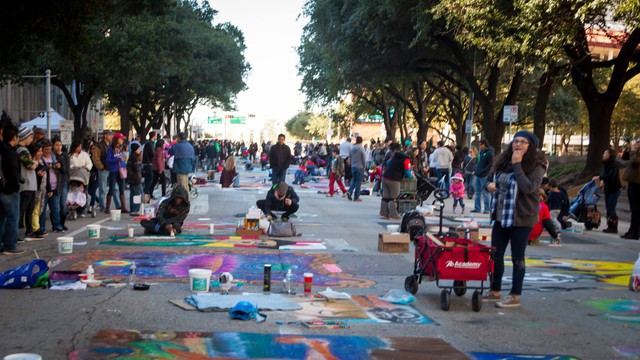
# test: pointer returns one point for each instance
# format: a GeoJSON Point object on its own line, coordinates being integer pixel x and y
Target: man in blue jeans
{"type": "Point", "coordinates": [9, 194]}
{"type": "Point", "coordinates": [279, 159]}
{"type": "Point", "coordinates": [357, 158]}
{"type": "Point", "coordinates": [483, 167]}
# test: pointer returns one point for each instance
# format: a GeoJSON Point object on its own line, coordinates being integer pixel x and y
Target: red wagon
{"type": "Point", "coordinates": [460, 260]}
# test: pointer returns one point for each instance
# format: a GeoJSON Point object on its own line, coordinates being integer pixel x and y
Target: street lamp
{"type": "Point", "coordinates": [48, 77]}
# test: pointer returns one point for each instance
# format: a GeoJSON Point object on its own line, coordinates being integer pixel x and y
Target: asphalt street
{"type": "Point", "coordinates": [576, 301]}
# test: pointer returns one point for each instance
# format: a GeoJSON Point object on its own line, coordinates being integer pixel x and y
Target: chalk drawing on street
{"type": "Point", "coordinates": [627, 311]}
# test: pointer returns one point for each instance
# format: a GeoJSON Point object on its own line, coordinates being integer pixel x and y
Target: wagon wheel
{"type": "Point", "coordinates": [460, 287]}
{"type": "Point", "coordinates": [411, 284]}
{"type": "Point", "coordinates": [476, 301]}
{"type": "Point", "coordinates": [194, 193]}
{"type": "Point", "coordinates": [445, 300]}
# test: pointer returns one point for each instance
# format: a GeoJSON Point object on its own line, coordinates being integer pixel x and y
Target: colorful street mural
{"type": "Point", "coordinates": [170, 265]}
{"type": "Point", "coordinates": [571, 275]}
{"type": "Point", "coordinates": [210, 241]}
{"type": "Point", "coordinates": [491, 356]}
{"type": "Point", "coordinates": [129, 344]}
{"type": "Point", "coordinates": [361, 309]}
{"type": "Point", "coordinates": [627, 311]}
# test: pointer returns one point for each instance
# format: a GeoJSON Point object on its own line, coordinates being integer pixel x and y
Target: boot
{"type": "Point", "coordinates": [106, 209]}
{"type": "Point", "coordinates": [612, 225]}
{"type": "Point", "coordinates": [123, 208]}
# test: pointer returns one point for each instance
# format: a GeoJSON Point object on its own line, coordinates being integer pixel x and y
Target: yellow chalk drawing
{"type": "Point", "coordinates": [609, 272]}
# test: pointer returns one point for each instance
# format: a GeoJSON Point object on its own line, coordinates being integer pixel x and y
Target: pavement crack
{"type": "Point", "coordinates": [76, 336]}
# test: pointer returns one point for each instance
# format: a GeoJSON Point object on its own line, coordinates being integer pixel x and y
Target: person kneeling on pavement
{"type": "Point", "coordinates": [171, 214]}
{"type": "Point", "coordinates": [281, 197]}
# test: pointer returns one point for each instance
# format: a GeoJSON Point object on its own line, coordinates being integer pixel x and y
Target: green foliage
{"type": "Point", "coordinates": [306, 125]}
{"type": "Point", "coordinates": [567, 169]}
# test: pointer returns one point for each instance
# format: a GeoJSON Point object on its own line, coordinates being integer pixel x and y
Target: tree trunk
{"type": "Point", "coordinates": [542, 101]}
{"type": "Point", "coordinates": [600, 111]}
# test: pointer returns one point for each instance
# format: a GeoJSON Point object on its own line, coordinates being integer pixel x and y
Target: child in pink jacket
{"type": "Point", "coordinates": [457, 191]}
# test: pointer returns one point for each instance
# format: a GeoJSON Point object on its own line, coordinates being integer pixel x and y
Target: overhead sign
{"type": "Point", "coordinates": [214, 120]}
{"type": "Point", "coordinates": [239, 120]}
{"type": "Point", "coordinates": [66, 125]}
{"type": "Point", "coordinates": [510, 113]}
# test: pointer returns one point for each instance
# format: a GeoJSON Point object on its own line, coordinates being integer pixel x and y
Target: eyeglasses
{"type": "Point", "coordinates": [518, 142]}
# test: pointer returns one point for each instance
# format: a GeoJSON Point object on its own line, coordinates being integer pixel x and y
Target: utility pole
{"type": "Point", "coordinates": [48, 77]}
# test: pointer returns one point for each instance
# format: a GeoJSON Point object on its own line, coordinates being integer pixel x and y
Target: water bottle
{"type": "Point", "coordinates": [288, 281]}
{"type": "Point", "coordinates": [132, 273]}
{"type": "Point", "coordinates": [90, 273]}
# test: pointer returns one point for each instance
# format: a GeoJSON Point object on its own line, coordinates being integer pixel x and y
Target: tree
{"type": "Point", "coordinates": [297, 125]}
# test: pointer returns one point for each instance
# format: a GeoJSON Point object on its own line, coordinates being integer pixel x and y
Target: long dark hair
{"type": "Point", "coordinates": [159, 143]}
{"type": "Point", "coordinates": [531, 159]}
{"type": "Point", "coordinates": [74, 145]}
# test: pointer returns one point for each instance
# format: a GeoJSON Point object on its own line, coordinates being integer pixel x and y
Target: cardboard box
{"type": "Point", "coordinates": [393, 243]}
{"type": "Point", "coordinates": [243, 232]}
{"type": "Point", "coordinates": [474, 233]}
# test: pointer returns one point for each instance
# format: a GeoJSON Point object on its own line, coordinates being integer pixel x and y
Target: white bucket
{"type": "Point", "coordinates": [65, 245]}
{"type": "Point", "coordinates": [149, 212]}
{"type": "Point", "coordinates": [578, 228]}
{"type": "Point", "coordinates": [115, 215]}
{"type": "Point", "coordinates": [93, 231]}
{"type": "Point", "coordinates": [392, 229]}
{"type": "Point", "coordinates": [22, 356]}
{"type": "Point", "coordinates": [199, 280]}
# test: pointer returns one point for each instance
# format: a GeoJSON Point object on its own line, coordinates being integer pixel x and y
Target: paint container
{"type": "Point", "coordinates": [393, 229]}
{"type": "Point", "coordinates": [23, 356]}
{"type": "Point", "coordinates": [149, 212]}
{"type": "Point", "coordinates": [308, 282]}
{"type": "Point", "coordinates": [267, 278]}
{"type": "Point", "coordinates": [130, 230]}
{"type": "Point", "coordinates": [212, 228]}
{"type": "Point", "coordinates": [199, 280]}
{"type": "Point", "coordinates": [65, 245]}
{"type": "Point", "coordinates": [578, 228]}
{"type": "Point", "coordinates": [115, 215]}
{"type": "Point", "coordinates": [93, 231]}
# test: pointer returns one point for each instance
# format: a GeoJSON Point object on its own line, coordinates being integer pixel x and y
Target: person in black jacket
{"type": "Point", "coordinates": [281, 197]}
{"type": "Point", "coordinates": [280, 159]}
{"type": "Point", "coordinates": [483, 166]}
{"type": "Point", "coordinates": [610, 177]}
{"type": "Point", "coordinates": [398, 168]}
{"type": "Point", "coordinates": [134, 179]}
{"type": "Point", "coordinates": [147, 161]}
{"type": "Point", "coordinates": [10, 192]}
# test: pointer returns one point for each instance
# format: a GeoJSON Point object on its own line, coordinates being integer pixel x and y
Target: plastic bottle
{"type": "Point", "coordinates": [288, 281]}
{"type": "Point", "coordinates": [132, 273]}
{"type": "Point", "coordinates": [90, 273]}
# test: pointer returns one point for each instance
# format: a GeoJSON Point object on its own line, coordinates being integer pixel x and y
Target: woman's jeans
{"type": "Point", "coordinates": [500, 238]}
{"type": "Point", "coordinates": [610, 203]}
{"type": "Point", "coordinates": [114, 178]}
{"type": "Point", "coordinates": [53, 203]}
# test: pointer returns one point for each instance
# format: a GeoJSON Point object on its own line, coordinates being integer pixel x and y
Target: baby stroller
{"type": "Point", "coordinates": [584, 206]}
{"type": "Point", "coordinates": [425, 187]}
{"type": "Point", "coordinates": [77, 196]}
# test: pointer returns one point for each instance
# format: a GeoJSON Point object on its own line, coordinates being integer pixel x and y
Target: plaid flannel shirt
{"type": "Point", "coordinates": [509, 203]}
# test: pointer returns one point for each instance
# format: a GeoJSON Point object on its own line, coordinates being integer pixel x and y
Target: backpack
{"type": "Point", "coordinates": [23, 276]}
{"type": "Point", "coordinates": [412, 223]}
{"type": "Point", "coordinates": [282, 229]}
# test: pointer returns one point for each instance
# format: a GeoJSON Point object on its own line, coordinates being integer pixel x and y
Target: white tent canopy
{"type": "Point", "coordinates": [41, 122]}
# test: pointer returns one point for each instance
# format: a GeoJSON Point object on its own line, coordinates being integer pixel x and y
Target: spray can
{"type": "Point", "coordinates": [90, 273]}
{"type": "Point", "coordinates": [132, 273]}
{"type": "Point", "coordinates": [267, 278]}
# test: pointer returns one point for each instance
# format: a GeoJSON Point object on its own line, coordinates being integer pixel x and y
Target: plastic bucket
{"type": "Point", "coordinates": [115, 215]}
{"type": "Point", "coordinates": [65, 245]}
{"type": "Point", "coordinates": [22, 356]}
{"type": "Point", "coordinates": [149, 212]}
{"type": "Point", "coordinates": [578, 228]}
{"type": "Point", "coordinates": [199, 280]}
{"type": "Point", "coordinates": [93, 231]}
{"type": "Point", "coordinates": [393, 228]}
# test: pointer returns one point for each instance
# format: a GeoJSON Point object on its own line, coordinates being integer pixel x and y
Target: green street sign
{"type": "Point", "coordinates": [212, 120]}
{"type": "Point", "coordinates": [240, 120]}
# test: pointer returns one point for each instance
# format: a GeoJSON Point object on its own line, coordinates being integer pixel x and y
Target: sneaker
{"type": "Point", "coordinates": [490, 297]}
{"type": "Point", "coordinates": [329, 195]}
{"type": "Point", "coordinates": [358, 199]}
{"type": "Point", "coordinates": [476, 211]}
{"type": "Point", "coordinates": [134, 214]}
{"type": "Point", "coordinates": [485, 212]}
{"type": "Point", "coordinates": [90, 209]}
{"type": "Point", "coordinates": [64, 228]}
{"type": "Point", "coordinates": [83, 215]}
{"type": "Point", "coordinates": [33, 237]}
{"type": "Point", "coordinates": [349, 196]}
{"type": "Point", "coordinates": [394, 218]}
{"type": "Point", "coordinates": [555, 243]}
{"type": "Point", "coordinates": [20, 241]}
{"type": "Point", "coordinates": [384, 217]}
{"type": "Point", "coordinates": [13, 252]}
{"type": "Point", "coordinates": [41, 233]}
{"type": "Point", "coordinates": [508, 302]}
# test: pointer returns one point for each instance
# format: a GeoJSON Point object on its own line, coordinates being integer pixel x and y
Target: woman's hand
{"type": "Point", "coordinates": [516, 158]}
{"type": "Point", "coordinates": [491, 187]}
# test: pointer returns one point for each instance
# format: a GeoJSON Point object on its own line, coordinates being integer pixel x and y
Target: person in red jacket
{"type": "Point", "coordinates": [544, 222]}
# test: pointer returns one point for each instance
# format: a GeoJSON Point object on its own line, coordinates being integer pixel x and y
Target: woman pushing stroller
{"type": "Point", "coordinates": [80, 169]}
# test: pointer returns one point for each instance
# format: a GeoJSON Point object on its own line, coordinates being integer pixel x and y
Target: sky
{"type": "Point", "coordinates": [272, 32]}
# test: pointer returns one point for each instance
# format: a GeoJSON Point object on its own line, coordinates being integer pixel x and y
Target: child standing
{"type": "Point", "coordinates": [336, 172]}
{"type": "Point", "coordinates": [457, 191]}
